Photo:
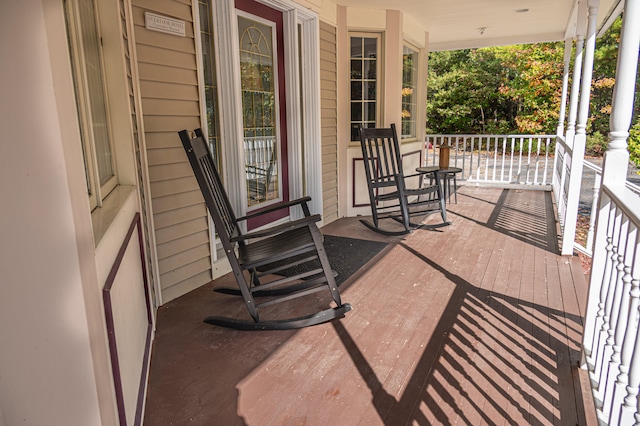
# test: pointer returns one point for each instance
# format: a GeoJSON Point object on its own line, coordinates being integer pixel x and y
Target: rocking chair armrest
{"type": "Point", "coordinates": [287, 226]}
{"type": "Point", "coordinates": [276, 207]}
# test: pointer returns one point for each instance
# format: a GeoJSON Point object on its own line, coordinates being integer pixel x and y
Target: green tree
{"type": "Point", "coordinates": [464, 94]}
{"type": "Point", "coordinates": [518, 89]}
{"type": "Point", "coordinates": [535, 84]}
{"type": "Point", "coordinates": [495, 90]}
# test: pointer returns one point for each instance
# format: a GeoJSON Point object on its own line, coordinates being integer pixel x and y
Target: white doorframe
{"type": "Point", "coordinates": [228, 58]}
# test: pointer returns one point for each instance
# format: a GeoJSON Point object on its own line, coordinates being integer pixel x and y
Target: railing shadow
{"type": "Point", "coordinates": [544, 395]}
{"type": "Point", "coordinates": [507, 212]}
{"type": "Point", "coordinates": [481, 331]}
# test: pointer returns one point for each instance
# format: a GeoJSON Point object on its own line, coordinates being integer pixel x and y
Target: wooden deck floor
{"type": "Point", "coordinates": [476, 323]}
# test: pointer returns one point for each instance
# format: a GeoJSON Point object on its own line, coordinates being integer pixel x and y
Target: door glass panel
{"type": "Point", "coordinates": [258, 76]}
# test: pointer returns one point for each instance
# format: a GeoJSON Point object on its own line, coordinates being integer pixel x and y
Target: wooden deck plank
{"type": "Point", "coordinates": [437, 401]}
{"type": "Point", "coordinates": [486, 403]}
{"type": "Point", "coordinates": [476, 323]}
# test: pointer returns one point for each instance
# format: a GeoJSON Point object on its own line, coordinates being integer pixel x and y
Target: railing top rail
{"type": "Point", "coordinates": [475, 135]}
{"type": "Point", "coordinates": [589, 165]}
{"type": "Point", "coordinates": [626, 200]}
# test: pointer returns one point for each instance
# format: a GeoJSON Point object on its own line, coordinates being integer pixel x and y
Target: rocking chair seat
{"type": "Point", "coordinates": [289, 244]}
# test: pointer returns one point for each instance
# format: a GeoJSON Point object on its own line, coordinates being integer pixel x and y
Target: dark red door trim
{"type": "Point", "coordinates": [275, 16]}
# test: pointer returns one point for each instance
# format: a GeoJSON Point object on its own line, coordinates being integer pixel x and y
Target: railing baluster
{"type": "Point", "coordinates": [464, 156]}
{"type": "Point", "coordinates": [624, 330]}
{"type": "Point", "coordinates": [520, 162]}
{"type": "Point", "coordinates": [535, 176]}
{"type": "Point", "coordinates": [606, 334]}
{"type": "Point", "coordinates": [631, 352]}
{"type": "Point", "coordinates": [546, 160]}
{"type": "Point", "coordinates": [513, 147]}
{"type": "Point", "coordinates": [495, 158]}
{"type": "Point", "coordinates": [594, 206]}
{"type": "Point", "coordinates": [618, 313]}
{"type": "Point", "coordinates": [504, 151]}
{"type": "Point", "coordinates": [486, 142]}
{"type": "Point", "coordinates": [592, 349]}
{"type": "Point", "coordinates": [480, 141]}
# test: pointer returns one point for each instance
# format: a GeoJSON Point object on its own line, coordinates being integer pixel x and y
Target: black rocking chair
{"type": "Point", "coordinates": [388, 193]}
{"type": "Point", "coordinates": [289, 244]}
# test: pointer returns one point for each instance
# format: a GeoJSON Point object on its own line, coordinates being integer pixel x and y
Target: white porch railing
{"type": "Point", "coordinates": [589, 193]}
{"type": "Point", "coordinates": [611, 335]}
{"type": "Point", "coordinates": [499, 159]}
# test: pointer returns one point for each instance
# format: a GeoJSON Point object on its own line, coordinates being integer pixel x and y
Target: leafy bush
{"type": "Point", "coordinates": [634, 144]}
{"type": "Point", "coordinates": [596, 144]}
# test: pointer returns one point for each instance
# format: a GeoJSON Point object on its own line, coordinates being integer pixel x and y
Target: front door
{"type": "Point", "coordinates": [261, 43]}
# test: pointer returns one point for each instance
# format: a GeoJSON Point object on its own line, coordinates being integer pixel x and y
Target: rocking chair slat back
{"type": "Point", "coordinates": [212, 189]}
{"type": "Point", "coordinates": [389, 195]}
{"type": "Point", "coordinates": [284, 244]}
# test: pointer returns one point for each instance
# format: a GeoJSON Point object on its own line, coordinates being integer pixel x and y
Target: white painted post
{"type": "Point", "coordinates": [571, 124]}
{"type": "Point", "coordinates": [568, 44]}
{"type": "Point", "coordinates": [575, 90]}
{"type": "Point", "coordinates": [559, 149]}
{"type": "Point", "coordinates": [579, 141]}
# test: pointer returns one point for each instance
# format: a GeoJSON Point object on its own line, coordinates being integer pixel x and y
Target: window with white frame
{"type": "Point", "coordinates": [365, 81]}
{"type": "Point", "coordinates": [88, 72]}
{"type": "Point", "coordinates": [409, 92]}
{"type": "Point", "coordinates": [210, 81]}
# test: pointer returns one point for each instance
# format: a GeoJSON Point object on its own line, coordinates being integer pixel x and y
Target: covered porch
{"type": "Point", "coordinates": [479, 322]}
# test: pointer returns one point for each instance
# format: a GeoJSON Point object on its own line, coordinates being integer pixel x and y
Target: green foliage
{"type": "Point", "coordinates": [603, 79]}
{"type": "Point", "coordinates": [596, 144]}
{"type": "Point", "coordinates": [536, 84]}
{"type": "Point", "coordinates": [634, 144]}
{"type": "Point", "coordinates": [464, 96]}
{"type": "Point", "coordinates": [518, 89]}
{"type": "Point", "coordinates": [512, 89]}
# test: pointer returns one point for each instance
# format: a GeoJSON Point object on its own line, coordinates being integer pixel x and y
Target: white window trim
{"type": "Point", "coordinates": [379, 77]}
{"type": "Point", "coordinates": [416, 85]}
{"type": "Point", "coordinates": [97, 192]}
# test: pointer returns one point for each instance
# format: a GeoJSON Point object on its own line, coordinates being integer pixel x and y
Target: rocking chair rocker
{"type": "Point", "coordinates": [388, 193]}
{"type": "Point", "coordinates": [289, 244]}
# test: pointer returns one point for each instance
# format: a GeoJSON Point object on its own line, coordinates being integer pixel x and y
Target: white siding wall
{"type": "Point", "coordinates": [328, 87]}
{"type": "Point", "coordinates": [170, 103]}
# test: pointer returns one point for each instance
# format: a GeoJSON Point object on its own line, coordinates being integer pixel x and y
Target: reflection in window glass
{"type": "Point", "coordinates": [210, 84]}
{"type": "Point", "coordinates": [89, 82]}
{"type": "Point", "coordinates": [364, 83]}
{"type": "Point", "coordinates": [258, 77]}
{"type": "Point", "coordinates": [409, 77]}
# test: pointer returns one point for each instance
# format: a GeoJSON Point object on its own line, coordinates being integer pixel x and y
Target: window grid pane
{"type": "Point", "coordinates": [364, 83]}
{"type": "Point", "coordinates": [409, 82]}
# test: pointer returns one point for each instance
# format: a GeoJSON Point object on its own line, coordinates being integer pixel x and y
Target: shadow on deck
{"type": "Point", "coordinates": [476, 323]}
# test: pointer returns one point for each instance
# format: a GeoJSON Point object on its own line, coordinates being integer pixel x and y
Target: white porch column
{"type": "Point", "coordinates": [616, 158]}
{"type": "Point", "coordinates": [614, 173]}
{"type": "Point", "coordinates": [568, 44]}
{"type": "Point", "coordinates": [559, 151]}
{"type": "Point", "coordinates": [580, 138]}
{"type": "Point", "coordinates": [573, 112]}
{"type": "Point", "coordinates": [575, 90]}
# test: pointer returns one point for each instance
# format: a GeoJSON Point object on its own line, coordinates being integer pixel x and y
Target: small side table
{"type": "Point", "coordinates": [446, 176]}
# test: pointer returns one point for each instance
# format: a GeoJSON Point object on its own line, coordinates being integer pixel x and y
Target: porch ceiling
{"type": "Point", "coordinates": [457, 24]}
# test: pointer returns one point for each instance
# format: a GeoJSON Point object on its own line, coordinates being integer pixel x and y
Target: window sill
{"type": "Point", "coordinates": [103, 217]}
